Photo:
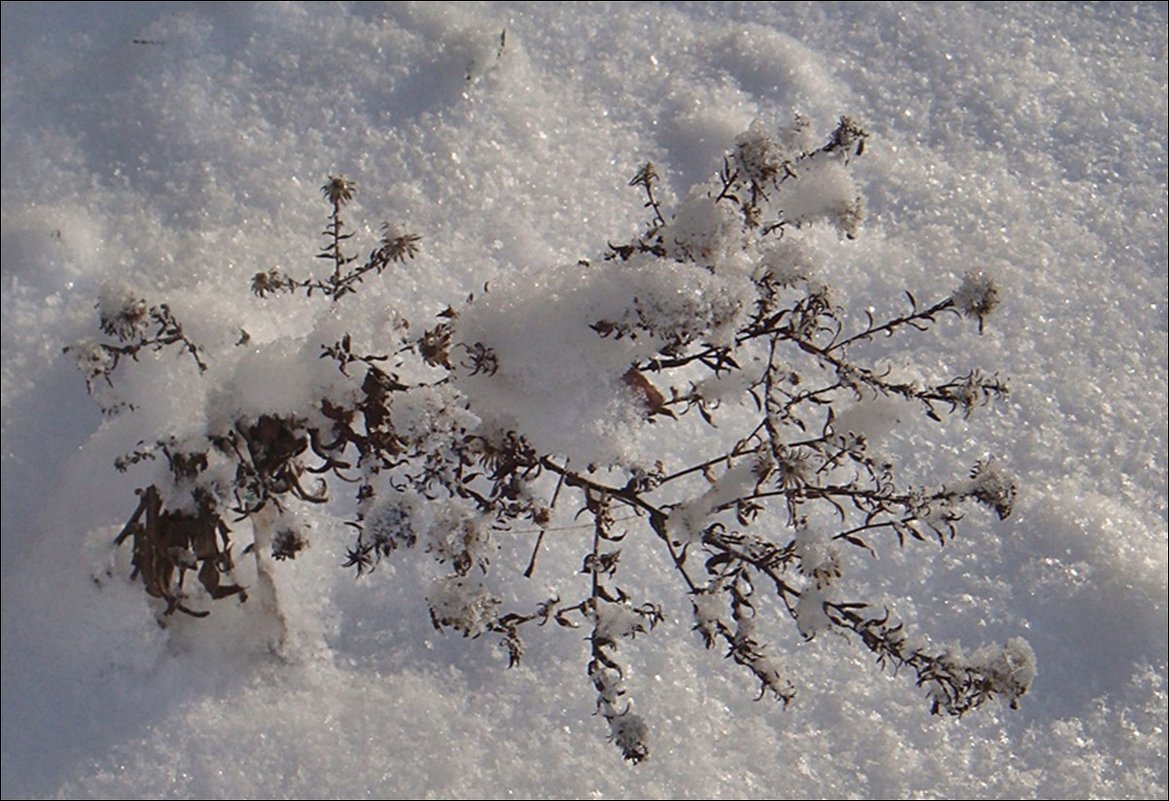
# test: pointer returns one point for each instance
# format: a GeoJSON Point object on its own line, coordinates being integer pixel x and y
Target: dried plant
{"type": "Point", "coordinates": [744, 528]}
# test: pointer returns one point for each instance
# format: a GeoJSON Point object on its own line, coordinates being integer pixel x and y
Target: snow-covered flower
{"type": "Point", "coordinates": [819, 556]}
{"type": "Point", "coordinates": [616, 620]}
{"type": "Point", "coordinates": [705, 232]}
{"type": "Point", "coordinates": [811, 617]}
{"type": "Point", "coordinates": [390, 524]}
{"type": "Point", "coordinates": [287, 543]}
{"type": "Point", "coordinates": [122, 312]}
{"type": "Point", "coordinates": [461, 603]}
{"type": "Point", "coordinates": [398, 244]}
{"type": "Point", "coordinates": [1009, 669]}
{"type": "Point", "coordinates": [709, 605]}
{"type": "Point", "coordinates": [631, 735]}
{"type": "Point", "coordinates": [461, 538]}
{"type": "Point", "coordinates": [991, 486]}
{"type": "Point", "coordinates": [850, 216]}
{"type": "Point", "coordinates": [757, 154]}
{"type": "Point", "coordinates": [92, 359]}
{"type": "Point", "coordinates": [787, 263]}
{"type": "Point", "coordinates": [978, 296]}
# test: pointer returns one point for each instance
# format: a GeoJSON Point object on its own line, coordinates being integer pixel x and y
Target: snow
{"type": "Point", "coordinates": [175, 150]}
{"type": "Point", "coordinates": [688, 519]}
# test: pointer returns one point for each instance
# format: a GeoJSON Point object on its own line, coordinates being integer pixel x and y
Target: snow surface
{"type": "Point", "coordinates": [179, 148]}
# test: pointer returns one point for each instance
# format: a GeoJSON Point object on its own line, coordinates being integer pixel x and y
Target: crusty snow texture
{"type": "Point", "coordinates": [177, 148]}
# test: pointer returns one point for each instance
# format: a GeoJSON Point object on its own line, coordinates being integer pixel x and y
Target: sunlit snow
{"type": "Point", "coordinates": [178, 148]}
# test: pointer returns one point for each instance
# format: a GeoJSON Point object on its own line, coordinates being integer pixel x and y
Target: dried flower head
{"type": "Point", "coordinates": [92, 359]}
{"type": "Point", "coordinates": [287, 543]}
{"type": "Point", "coordinates": [759, 156]}
{"type": "Point", "coordinates": [849, 217]}
{"type": "Point", "coordinates": [339, 190]}
{"type": "Point", "coordinates": [849, 137]}
{"type": "Point", "coordinates": [978, 296]}
{"type": "Point", "coordinates": [631, 734]}
{"type": "Point", "coordinates": [122, 312]}
{"type": "Point", "coordinates": [398, 244]}
{"type": "Point", "coordinates": [993, 487]}
{"type": "Point", "coordinates": [647, 176]}
{"type": "Point", "coordinates": [271, 281]}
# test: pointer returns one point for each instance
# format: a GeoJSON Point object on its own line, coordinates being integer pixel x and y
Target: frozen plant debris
{"type": "Point", "coordinates": [538, 404]}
